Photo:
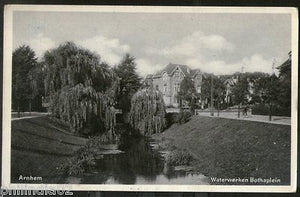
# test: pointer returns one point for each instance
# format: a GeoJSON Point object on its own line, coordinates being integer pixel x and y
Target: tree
{"type": "Point", "coordinates": [187, 93]}
{"type": "Point", "coordinates": [257, 79]}
{"type": "Point", "coordinates": [218, 91]}
{"type": "Point", "coordinates": [147, 113]}
{"type": "Point", "coordinates": [36, 78]}
{"type": "Point", "coordinates": [240, 91]}
{"type": "Point", "coordinates": [23, 61]}
{"type": "Point", "coordinates": [81, 89]}
{"type": "Point", "coordinates": [206, 89]}
{"type": "Point", "coordinates": [284, 98]}
{"type": "Point", "coordinates": [266, 90]}
{"type": "Point", "coordinates": [129, 82]}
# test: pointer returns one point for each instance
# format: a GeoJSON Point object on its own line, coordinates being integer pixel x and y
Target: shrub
{"type": "Point", "coordinates": [83, 161]}
{"type": "Point", "coordinates": [185, 116]}
{"type": "Point", "coordinates": [178, 158]}
{"type": "Point", "coordinates": [172, 118]}
{"type": "Point", "coordinates": [84, 158]}
{"type": "Point", "coordinates": [180, 118]}
{"type": "Point", "coordinates": [263, 109]}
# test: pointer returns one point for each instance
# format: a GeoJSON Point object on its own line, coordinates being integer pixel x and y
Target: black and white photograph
{"type": "Point", "coordinates": [150, 98]}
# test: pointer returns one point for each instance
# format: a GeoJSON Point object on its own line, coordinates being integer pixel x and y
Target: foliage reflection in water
{"type": "Point", "coordinates": [139, 164]}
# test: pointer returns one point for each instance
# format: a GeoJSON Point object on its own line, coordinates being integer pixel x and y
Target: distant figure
{"type": "Point", "coordinates": [245, 111]}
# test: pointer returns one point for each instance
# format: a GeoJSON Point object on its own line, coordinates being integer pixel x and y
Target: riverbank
{"type": "Point", "coordinates": [228, 148]}
{"type": "Point", "coordinates": [39, 145]}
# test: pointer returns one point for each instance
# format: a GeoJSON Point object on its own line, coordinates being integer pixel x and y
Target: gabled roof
{"type": "Point", "coordinates": [170, 68]}
{"type": "Point", "coordinates": [194, 72]}
{"type": "Point", "coordinates": [287, 63]}
{"type": "Point", "coordinates": [149, 76]}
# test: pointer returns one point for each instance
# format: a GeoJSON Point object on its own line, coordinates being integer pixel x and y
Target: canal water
{"type": "Point", "coordinates": [139, 163]}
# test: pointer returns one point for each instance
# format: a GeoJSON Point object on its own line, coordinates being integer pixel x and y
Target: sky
{"type": "Point", "coordinates": [213, 43]}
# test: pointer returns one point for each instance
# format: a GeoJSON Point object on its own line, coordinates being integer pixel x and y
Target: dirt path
{"type": "Point", "coordinates": [282, 120]}
{"type": "Point", "coordinates": [27, 116]}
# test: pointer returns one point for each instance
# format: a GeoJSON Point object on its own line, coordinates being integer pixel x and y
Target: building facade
{"type": "Point", "coordinates": [168, 82]}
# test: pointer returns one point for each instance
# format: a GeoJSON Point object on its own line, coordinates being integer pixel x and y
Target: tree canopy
{"type": "Point", "coordinates": [218, 88]}
{"type": "Point", "coordinates": [285, 85]}
{"type": "Point", "coordinates": [147, 113]}
{"type": "Point", "coordinates": [129, 82]}
{"type": "Point", "coordinates": [81, 88]}
{"type": "Point", "coordinates": [23, 62]}
{"type": "Point", "coordinates": [187, 93]}
{"type": "Point", "coordinates": [240, 90]}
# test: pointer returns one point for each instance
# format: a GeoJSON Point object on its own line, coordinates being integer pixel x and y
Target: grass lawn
{"type": "Point", "coordinates": [228, 148]}
{"type": "Point", "coordinates": [40, 145]}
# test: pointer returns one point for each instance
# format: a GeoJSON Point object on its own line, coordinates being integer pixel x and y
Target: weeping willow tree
{"type": "Point", "coordinates": [147, 113]}
{"type": "Point", "coordinates": [81, 90]}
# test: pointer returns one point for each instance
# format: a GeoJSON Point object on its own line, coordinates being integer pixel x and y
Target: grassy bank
{"type": "Point", "coordinates": [39, 146]}
{"type": "Point", "coordinates": [228, 148]}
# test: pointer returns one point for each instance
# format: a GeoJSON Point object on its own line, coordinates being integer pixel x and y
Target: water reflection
{"type": "Point", "coordinates": [139, 164]}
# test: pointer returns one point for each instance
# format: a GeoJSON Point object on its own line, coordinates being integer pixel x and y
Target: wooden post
{"type": "Point", "coordinates": [270, 112]}
{"type": "Point", "coordinates": [29, 107]}
{"type": "Point", "coordinates": [19, 109]}
{"type": "Point", "coordinates": [239, 106]}
{"type": "Point", "coordinates": [218, 106]}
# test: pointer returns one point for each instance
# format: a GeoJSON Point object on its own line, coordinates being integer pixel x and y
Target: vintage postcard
{"type": "Point", "coordinates": [133, 98]}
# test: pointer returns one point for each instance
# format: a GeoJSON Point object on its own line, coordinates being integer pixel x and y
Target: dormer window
{"type": "Point", "coordinates": [165, 76]}
{"type": "Point", "coordinates": [198, 77]}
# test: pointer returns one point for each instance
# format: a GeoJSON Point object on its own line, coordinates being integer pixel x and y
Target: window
{"type": "Point", "coordinates": [176, 87]}
{"type": "Point", "coordinates": [157, 88]}
{"type": "Point", "coordinates": [175, 100]}
{"type": "Point", "coordinates": [198, 89]}
{"type": "Point", "coordinates": [165, 87]}
{"type": "Point", "coordinates": [198, 77]}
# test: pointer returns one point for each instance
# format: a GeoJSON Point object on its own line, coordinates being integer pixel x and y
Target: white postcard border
{"type": "Point", "coordinates": [6, 116]}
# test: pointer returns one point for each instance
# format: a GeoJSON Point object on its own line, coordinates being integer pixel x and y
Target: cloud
{"type": "Point", "coordinates": [204, 52]}
{"type": "Point", "coordinates": [191, 50]}
{"type": "Point", "coordinates": [257, 63]}
{"type": "Point", "coordinates": [145, 67]}
{"type": "Point", "coordinates": [195, 44]}
{"type": "Point", "coordinates": [197, 50]}
{"type": "Point", "coordinates": [216, 66]}
{"type": "Point", "coordinates": [110, 49]}
{"type": "Point", "coordinates": [212, 42]}
{"type": "Point", "coordinates": [40, 44]}
{"type": "Point", "coordinates": [254, 63]}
